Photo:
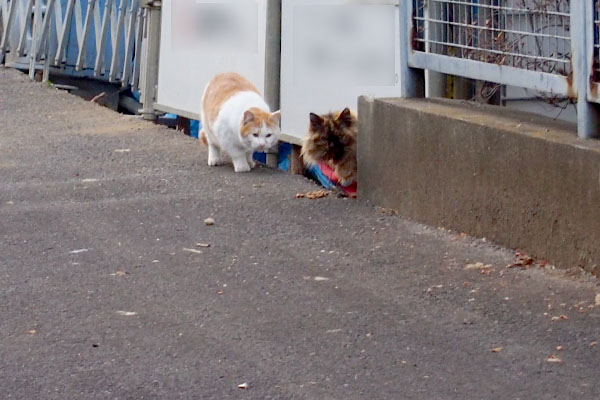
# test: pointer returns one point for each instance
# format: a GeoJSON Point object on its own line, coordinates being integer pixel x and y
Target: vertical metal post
{"type": "Point", "coordinates": [435, 82]}
{"type": "Point", "coordinates": [129, 43]}
{"type": "Point", "coordinates": [273, 54]}
{"type": "Point", "coordinates": [273, 67]}
{"type": "Point", "coordinates": [462, 88]}
{"type": "Point", "coordinates": [46, 70]}
{"type": "Point", "coordinates": [25, 18]}
{"type": "Point", "coordinates": [46, 28]}
{"type": "Point", "coordinates": [64, 34]}
{"type": "Point", "coordinates": [582, 45]}
{"type": "Point", "coordinates": [150, 56]}
{"type": "Point", "coordinates": [89, 14]}
{"type": "Point", "coordinates": [100, 48]}
{"type": "Point", "coordinates": [117, 36]}
{"type": "Point", "coordinates": [137, 61]}
{"type": "Point", "coordinates": [12, 7]}
{"type": "Point", "coordinates": [412, 80]}
{"type": "Point", "coordinates": [35, 37]}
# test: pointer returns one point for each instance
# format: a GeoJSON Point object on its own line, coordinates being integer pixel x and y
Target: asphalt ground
{"type": "Point", "coordinates": [106, 291]}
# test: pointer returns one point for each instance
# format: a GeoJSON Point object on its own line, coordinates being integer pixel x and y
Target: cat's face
{"type": "Point", "coordinates": [260, 130]}
{"type": "Point", "coordinates": [330, 136]}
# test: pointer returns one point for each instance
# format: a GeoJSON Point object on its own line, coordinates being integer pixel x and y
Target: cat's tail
{"type": "Point", "coordinates": [202, 137]}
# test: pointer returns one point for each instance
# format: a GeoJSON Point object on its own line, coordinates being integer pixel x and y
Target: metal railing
{"type": "Point", "coordinates": [92, 38]}
{"type": "Point", "coordinates": [550, 46]}
{"type": "Point", "coordinates": [597, 40]}
{"type": "Point", "coordinates": [498, 32]}
{"type": "Point", "coordinates": [596, 77]}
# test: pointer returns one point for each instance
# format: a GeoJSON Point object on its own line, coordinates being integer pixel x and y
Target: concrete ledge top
{"type": "Point", "coordinates": [499, 117]}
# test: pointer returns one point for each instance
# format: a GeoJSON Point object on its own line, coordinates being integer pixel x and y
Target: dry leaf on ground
{"type": "Point", "coordinates": [319, 194]}
{"type": "Point", "coordinates": [522, 261]}
{"type": "Point", "coordinates": [477, 265]}
{"type": "Point", "coordinates": [560, 318]}
{"type": "Point", "coordinates": [553, 358]}
{"type": "Point", "coordinates": [484, 269]}
{"type": "Point", "coordinates": [430, 289]}
{"type": "Point", "coordinates": [79, 251]}
{"type": "Point", "coordinates": [193, 251]}
{"type": "Point", "coordinates": [497, 350]}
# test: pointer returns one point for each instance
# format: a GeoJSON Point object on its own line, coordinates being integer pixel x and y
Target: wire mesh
{"type": "Point", "coordinates": [527, 34]}
{"type": "Point", "coordinates": [597, 41]}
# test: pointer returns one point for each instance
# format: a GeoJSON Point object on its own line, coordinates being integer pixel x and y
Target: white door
{"type": "Point", "coordinates": [332, 52]}
{"type": "Point", "coordinates": [202, 38]}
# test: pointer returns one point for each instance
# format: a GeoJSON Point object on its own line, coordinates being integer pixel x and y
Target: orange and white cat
{"type": "Point", "coordinates": [236, 120]}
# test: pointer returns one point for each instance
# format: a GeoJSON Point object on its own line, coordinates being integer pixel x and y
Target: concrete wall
{"type": "Point", "coordinates": [523, 181]}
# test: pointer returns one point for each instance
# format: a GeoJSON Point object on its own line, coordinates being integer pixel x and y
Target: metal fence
{"type": "Point", "coordinates": [92, 38]}
{"type": "Point", "coordinates": [551, 46]}
{"type": "Point", "coordinates": [597, 42]}
{"type": "Point", "coordinates": [498, 32]}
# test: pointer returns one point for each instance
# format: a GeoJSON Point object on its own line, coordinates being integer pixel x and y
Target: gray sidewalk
{"type": "Point", "coordinates": [104, 293]}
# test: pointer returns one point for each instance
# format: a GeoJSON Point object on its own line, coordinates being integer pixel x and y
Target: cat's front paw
{"type": "Point", "coordinates": [242, 168]}
{"type": "Point", "coordinates": [214, 162]}
{"type": "Point", "coordinates": [251, 163]}
{"type": "Point", "coordinates": [241, 163]}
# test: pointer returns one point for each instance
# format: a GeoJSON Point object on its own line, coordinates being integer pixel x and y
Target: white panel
{"type": "Point", "coordinates": [201, 38]}
{"type": "Point", "coordinates": [333, 52]}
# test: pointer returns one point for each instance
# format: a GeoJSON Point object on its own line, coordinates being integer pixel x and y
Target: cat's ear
{"type": "Point", "coordinates": [316, 122]}
{"type": "Point", "coordinates": [276, 118]}
{"type": "Point", "coordinates": [345, 118]}
{"type": "Point", "coordinates": [248, 117]}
